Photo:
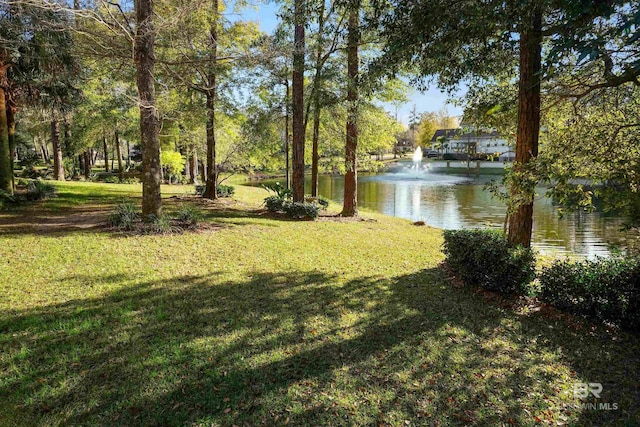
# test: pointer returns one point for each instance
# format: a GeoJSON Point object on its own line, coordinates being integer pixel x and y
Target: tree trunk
{"type": "Point", "coordinates": [350, 205]}
{"type": "Point", "coordinates": [149, 138]}
{"type": "Point", "coordinates": [187, 164]}
{"type": "Point", "coordinates": [36, 143]}
{"type": "Point", "coordinates": [286, 135]}
{"type": "Point", "coordinates": [116, 137]}
{"type": "Point", "coordinates": [45, 150]}
{"type": "Point", "coordinates": [67, 149]}
{"type": "Point", "coordinates": [298, 102]}
{"type": "Point", "coordinates": [11, 125]}
{"type": "Point", "coordinates": [128, 154]}
{"type": "Point", "coordinates": [58, 167]}
{"type": "Point", "coordinates": [317, 81]}
{"type": "Point", "coordinates": [6, 172]}
{"type": "Point", "coordinates": [314, 150]}
{"type": "Point", "coordinates": [106, 152]}
{"type": "Point", "coordinates": [87, 164]}
{"type": "Point", "coordinates": [521, 220]}
{"type": "Point", "coordinates": [212, 167]}
{"type": "Point", "coordinates": [47, 154]}
{"type": "Point", "coordinates": [193, 170]}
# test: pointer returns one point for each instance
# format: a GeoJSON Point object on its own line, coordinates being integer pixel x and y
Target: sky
{"type": "Point", "coordinates": [265, 14]}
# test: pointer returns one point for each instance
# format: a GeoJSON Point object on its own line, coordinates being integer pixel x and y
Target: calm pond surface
{"type": "Point", "coordinates": [458, 201]}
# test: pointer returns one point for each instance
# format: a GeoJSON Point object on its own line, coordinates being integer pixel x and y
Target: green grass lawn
{"type": "Point", "coordinates": [265, 321]}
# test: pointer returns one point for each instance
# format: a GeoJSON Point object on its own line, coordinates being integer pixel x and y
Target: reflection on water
{"type": "Point", "coordinates": [454, 202]}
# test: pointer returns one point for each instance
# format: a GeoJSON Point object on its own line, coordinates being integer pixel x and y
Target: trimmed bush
{"type": "Point", "coordinates": [275, 203]}
{"type": "Point", "coordinates": [301, 210]}
{"type": "Point", "coordinates": [292, 209]}
{"type": "Point", "coordinates": [487, 259]}
{"type": "Point", "coordinates": [222, 190]}
{"type": "Point", "coordinates": [606, 290]}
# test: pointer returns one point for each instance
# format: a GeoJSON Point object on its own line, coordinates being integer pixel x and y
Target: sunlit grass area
{"type": "Point", "coordinates": [267, 321]}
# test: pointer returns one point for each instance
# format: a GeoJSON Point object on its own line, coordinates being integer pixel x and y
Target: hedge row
{"type": "Point", "coordinates": [606, 290]}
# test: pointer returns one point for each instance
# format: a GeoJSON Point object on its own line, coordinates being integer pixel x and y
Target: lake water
{"type": "Point", "coordinates": [459, 201]}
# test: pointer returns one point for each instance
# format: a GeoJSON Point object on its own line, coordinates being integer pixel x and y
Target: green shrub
{"type": "Point", "coordinates": [39, 190]}
{"type": "Point", "coordinates": [31, 172]}
{"type": "Point", "coordinates": [112, 179]}
{"type": "Point", "coordinates": [606, 289]}
{"type": "Point", "coordinates": [292, 209]}
{"type": "Point", "coordinates": [301, 210]}
{"type": "Point", "coordinates": [29, 159]}
{"type": "Point", "coordinates": [129, 180]}
{"type": "Point", "coordinates": [6, 199]}
{"type": "Point", "coordinates": [125, 216]}
{"type": "Point", "coordinates": [324, 203]}
{"type": "Point", "coordinates": [221, 190]}
{"type": "Point", "coordinates": [189, 215]}
{"type": "Point", "coordinates": [485, 258]}
{"type": "Point", "coordinates": [275, 203]}
{"type": "Point", "coordinates": [225, 191]}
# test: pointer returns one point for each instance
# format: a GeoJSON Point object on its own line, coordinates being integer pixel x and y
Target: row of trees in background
{"type": "Point", "coordinates": [213, 88]}
{"type": "Point", "coordinates": [216, 90]}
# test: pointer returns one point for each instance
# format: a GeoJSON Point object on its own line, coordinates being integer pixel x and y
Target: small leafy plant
{"type": "Point", "coordinates": [189, 216]}
{"type": "Point", "coordinates": [160, 224]}
{"type": "Point", "coordinates": [39, 190]}
{"type": "Point", "coordinates": [280, 190]}
{"type": "Point", "coordinates": [125, 216]}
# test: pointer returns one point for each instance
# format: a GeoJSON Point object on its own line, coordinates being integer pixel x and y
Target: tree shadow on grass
{"type": "Point", "coordinates": [303, 348]}
{"type": "Point", "coordinates": [39, 220]}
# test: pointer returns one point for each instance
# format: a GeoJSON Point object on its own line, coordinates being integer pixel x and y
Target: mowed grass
{"type": "Point", "coordinates": [261, 321]}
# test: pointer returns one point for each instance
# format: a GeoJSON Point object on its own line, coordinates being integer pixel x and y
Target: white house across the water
{"type": "Point", "coordinates": [472, 140]}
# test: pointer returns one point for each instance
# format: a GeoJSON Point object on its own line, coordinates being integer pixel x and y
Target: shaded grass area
{"type": "Point", "coordinates": [279, 322]}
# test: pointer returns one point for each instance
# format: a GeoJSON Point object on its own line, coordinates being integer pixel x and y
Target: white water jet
{"type": "Point", "coordinates": [417, 158]}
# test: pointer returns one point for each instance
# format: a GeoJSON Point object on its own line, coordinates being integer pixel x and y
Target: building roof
{"type": "Point", "coordinates": [458, 134]}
